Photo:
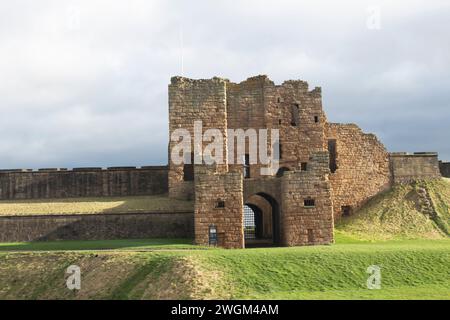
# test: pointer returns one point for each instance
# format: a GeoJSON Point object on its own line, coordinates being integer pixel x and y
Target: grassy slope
{"type": "Point", "coordinates": [171, 269]}
{"type": "Point", "coordinates": [94, 205]}
{"type": "Point", "coordinates": [396, 214]}
{"type": "Point", "coordinates": [410, 269]}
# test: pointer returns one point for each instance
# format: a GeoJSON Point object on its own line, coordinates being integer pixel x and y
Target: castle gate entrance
{"type": "Point", "coordinates": [261, 221]}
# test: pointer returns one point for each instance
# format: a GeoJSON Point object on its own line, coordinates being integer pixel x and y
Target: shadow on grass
{"type": "Point", "coordinates": [136, 244]}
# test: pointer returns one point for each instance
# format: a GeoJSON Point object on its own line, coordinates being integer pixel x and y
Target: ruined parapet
{"type": "Point", "coordinates": [219, 207]}
{"type": "Point", "coordinates": [307, 217]}
{"type": "Point", "coordinates": [407, 168]}
{"type": "Point", "coordinates": [297, 112]}
{"type": "Point", "coordinates": [360, 167]}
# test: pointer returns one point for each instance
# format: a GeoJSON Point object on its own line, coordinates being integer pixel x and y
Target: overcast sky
{"type": "Point", "coordinates": [84, 83]}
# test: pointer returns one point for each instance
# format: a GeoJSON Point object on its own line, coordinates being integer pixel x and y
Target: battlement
{"type": "Point", "coordinates": [259, 80]}
{"type": "Point", "coordinates": [82, 182]}
{"type": "Point", "coordinates": [83, 169]}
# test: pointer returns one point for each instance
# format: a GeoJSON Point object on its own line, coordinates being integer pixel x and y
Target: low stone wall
{"type": "Point", "coordinates": [82, 182]}
{"type": "Point", "coordinates": [406, 168]}
{"type": "Point", "coordinates": [445, 169]}
{"type": "Point", "coordinates": [97, 226]}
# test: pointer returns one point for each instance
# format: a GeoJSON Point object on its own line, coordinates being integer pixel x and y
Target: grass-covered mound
{"type": "Point", "coordinates": [412, 269]}
{"type": "Point", "coordinates": [415, 211]}
{"type": "Point", "coordinates": [134, 204]}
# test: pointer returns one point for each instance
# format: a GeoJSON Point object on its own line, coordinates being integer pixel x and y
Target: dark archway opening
{"type": "Point", "coordinates": [281, 172]}
{"type": "Point", "coordinates": [261, 221]}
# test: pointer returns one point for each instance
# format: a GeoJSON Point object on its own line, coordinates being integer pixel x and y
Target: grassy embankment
{"type": "Point", "coordinates": [398, 214]}
{"type": "Point", "coordinates": [411, 269]}
{"type": "Point", "coordinates": [171, 269]}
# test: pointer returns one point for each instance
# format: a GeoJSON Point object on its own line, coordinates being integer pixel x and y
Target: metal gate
{"type": "Point", "coordinates": [249, 223]}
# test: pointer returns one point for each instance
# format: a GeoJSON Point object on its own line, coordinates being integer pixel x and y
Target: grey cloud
{"type": "Point", "coordinates": [97, 95]}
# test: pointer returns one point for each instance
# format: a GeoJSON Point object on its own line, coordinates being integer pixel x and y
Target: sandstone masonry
{"type": "Point", "coordinates": [327, 170]}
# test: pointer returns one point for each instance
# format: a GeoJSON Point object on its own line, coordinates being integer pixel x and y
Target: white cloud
{"type": "Point", "coordinates": [85, 82]}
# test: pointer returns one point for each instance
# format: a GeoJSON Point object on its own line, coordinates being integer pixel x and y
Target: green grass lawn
{"type": "Point", "coordinates": [137, 244]}
{"type": "Point", "coordinates": [414, 269]}
{"type": "Point", "coordinates": [172, 269]}
{"type": "Point", "coordinates": [134, 204]}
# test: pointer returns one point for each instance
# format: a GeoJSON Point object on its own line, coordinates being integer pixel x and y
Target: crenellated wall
{"type": "Point", "coordinates": [82, 182]}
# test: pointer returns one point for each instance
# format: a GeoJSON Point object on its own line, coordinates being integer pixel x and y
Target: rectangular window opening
{"type": "Point", "coordinates": [346, 211]}
{"type": "Point", "coordinates": [247, 166]}
{"type": "Point", "coordinates": [304, 166]}
{"type": "Point", "coordinates": [310, 203]}
{"type": "Point", "coordinates": [188, 170]}
{"type": "Point", "coordinates": [310, 235]}
{"type": "Point", "coordinates": [220, 204]}
{"type": "Point", "coordinates": [332, 150]}
{"type": "Point", "coordinates": [295, 115]}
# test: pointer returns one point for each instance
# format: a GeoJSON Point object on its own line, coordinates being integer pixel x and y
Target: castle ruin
{"type": "Point", "coordinates": [326, 171]}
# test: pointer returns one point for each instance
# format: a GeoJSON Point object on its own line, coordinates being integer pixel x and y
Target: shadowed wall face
{"type": "Point", "coordinates": [445, 169]}
{"type": "Point", "coordinates": [97, 227]}
{"type": "Point", "coordinates": [407, 168]}
{"type": "Point", "coordinates": [88, 182]}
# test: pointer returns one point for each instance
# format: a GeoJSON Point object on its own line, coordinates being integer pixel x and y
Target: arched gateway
{"type": "Point", "coordinates": [261, 221]}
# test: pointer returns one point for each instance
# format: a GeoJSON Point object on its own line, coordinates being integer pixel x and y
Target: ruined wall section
{"type": "Point", "coordinates": [82, 182]}
{"type": "Point", "coordinates": [190, 101]}
{"type": "Point", "coordinates": [212, 188]}
{"type": "Point", "coordinates": [445, 169]}
{"type": "Point", "coordinates": [258, 103]}
{"type": "Point", "coordinates": [304, 223]}
{"type": "Point", "coordinates": [362, 167]}
{"type": "Point", "coordinates": [408, 168]}
{"type": "Point", "coordinates": [300, 135]}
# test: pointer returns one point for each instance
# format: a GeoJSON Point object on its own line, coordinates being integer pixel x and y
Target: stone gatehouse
{"type": "Point", "coordinates": [327, 170]}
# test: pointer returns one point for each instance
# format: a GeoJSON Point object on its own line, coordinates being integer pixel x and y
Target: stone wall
{"type": "Point", "coordinates": [445, 169]}
{"type": "Point", "coordinates": [257, 103]}
{"type": "Point", "coordinates": [362, 167]}
{"type": "Point", "coordinates": [190, 101]}
{"type": "Point", "coordinates": [301, 135]}
{"type": "Point", "coordinates": [96, 226]}
{"type": "Point", "coordinates": [82, 182]}
{"type": "Point", "coordinates": [407, 168]}
{"type": "Point", "coordinates": [212, 187]}
{"type": "Point", "coordinates": [304, 224]}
